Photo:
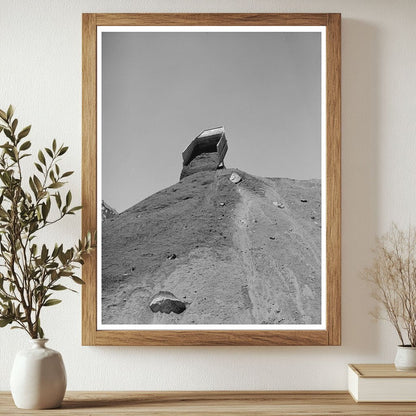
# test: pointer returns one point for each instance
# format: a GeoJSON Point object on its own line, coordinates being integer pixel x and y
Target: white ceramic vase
{"type": "Point", "coordinates": [38, 378]}
{"type": "Point", "coordinates": [405, 358]}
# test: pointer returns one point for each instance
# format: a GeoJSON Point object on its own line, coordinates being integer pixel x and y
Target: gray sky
{"type": "Point", "coordinates": [160, 90]}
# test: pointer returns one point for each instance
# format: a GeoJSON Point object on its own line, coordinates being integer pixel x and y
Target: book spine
{"type": "Point", "coordinates": [353, 381]}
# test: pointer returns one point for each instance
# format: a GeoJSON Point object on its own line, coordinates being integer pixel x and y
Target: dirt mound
{"type": "Point", "coordinates": [246, 253]}
{"type": "Point", "coordinates": [202, 162]}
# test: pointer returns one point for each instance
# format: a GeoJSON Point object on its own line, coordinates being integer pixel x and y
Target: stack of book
{"type": "Point", "coordinates": [381, 383]}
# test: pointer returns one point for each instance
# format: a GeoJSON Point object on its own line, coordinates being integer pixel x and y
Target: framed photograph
{"type": "Point", "coordinates": [211, 172]}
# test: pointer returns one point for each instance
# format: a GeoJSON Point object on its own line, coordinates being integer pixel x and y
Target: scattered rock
{"type": "Point", "coordinates": [166, 302]}
{"type": "Point", "coordinates": [275, 203]}
{"type": "Point", "coordinates": [280, 206]}
{"type": "Point", "coordinates": [272, 238]}
{"type": "Point", "coordinates": [235, 178]}
{"type": "Point", "coordinates": [172, 257]}
{"type": "Point", "coordinates": [303, 200]}
{"type": "Point", "coordinates": [222, 204]}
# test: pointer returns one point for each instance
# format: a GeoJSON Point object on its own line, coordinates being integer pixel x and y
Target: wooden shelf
{"type": "Point", "coordinates": [212, 403]}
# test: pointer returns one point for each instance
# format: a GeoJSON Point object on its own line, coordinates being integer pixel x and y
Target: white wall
{"type": "Point", "coordinates": [40, 73]}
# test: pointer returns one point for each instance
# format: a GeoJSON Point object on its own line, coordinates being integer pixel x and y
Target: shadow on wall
{"type": "Point", "coordinates": [360, 180]}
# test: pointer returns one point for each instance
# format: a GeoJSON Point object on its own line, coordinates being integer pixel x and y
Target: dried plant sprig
{"type": "Point", "coordinates": [393, 276]}
{"type": "Point", "coordinates": [29, 275]}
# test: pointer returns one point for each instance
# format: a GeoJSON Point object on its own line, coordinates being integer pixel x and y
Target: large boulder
{"type": "Point", "coordinates": [166, 302]}
{"type": "Point", "coordinates": [235, 178]}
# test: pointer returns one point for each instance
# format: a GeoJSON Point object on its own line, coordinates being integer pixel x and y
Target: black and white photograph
{"type": "Point", "coordinates": [211, 178]}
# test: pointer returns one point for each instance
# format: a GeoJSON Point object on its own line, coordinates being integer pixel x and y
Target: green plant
{"type": "Point", "coordinates": [393, 277]}
{"type": "Point", "coordinates": [30, 272]}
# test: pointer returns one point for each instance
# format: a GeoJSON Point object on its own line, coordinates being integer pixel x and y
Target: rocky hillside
{"type": "Point", "coordinates": [245, 253]}
{"type": "Point", "coordinates": [107, 211]}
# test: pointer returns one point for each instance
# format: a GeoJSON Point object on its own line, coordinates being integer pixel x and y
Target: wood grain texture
{"type": "Point", "coordinates": [330, 336]}
{"type": "Point", "coordinates": [380, 371]}
{"type": "Point", "coordinates": [333, 192]}
{"type": "Point", "coordinates": [211, 19]}
{"type": "Point", "coordinates": [213, 338]}
{"type": "Point", "coordinates": [266, 403]}
{"type": "Point", "coordinates": [89, 173]}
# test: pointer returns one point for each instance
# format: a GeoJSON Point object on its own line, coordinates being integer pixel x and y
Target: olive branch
{"type": "Point", "coordinates": [31, 273]}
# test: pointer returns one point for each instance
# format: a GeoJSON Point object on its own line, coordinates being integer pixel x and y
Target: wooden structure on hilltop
{"type": "Point", "coordinates": [205, 152]}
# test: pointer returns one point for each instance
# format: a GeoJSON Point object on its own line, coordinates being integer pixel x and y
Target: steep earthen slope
{"type": "Point", "coordinates": [246, 253]}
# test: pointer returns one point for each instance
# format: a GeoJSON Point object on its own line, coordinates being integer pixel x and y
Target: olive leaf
{"type": "Point", "coordinates": [24, 133]}
{"type": "Point", "coordinates": [51, 302]}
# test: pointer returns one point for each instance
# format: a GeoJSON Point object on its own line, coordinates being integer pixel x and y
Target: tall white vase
{"type": "Point", "coordinates": [38, 378]}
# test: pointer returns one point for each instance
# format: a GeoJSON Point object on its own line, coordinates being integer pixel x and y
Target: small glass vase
{"type": "Point", "coordinates": [38, 377]}
{"type": "Point", "coordinates": [405, 358]}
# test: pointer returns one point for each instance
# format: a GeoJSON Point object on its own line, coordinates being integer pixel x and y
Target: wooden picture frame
{"type": "Point", "coordinates": [331, 334]}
